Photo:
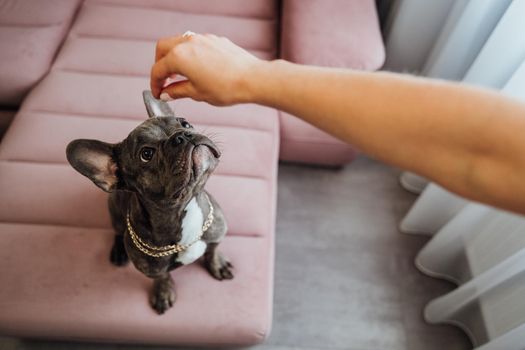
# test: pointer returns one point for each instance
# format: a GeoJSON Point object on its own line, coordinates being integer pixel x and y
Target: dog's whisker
{"type": "Point", "coordinates": [214, 136]}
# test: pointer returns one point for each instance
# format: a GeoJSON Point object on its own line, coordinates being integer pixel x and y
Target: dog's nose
{"type": "Point", "coordinates": [181, 138]}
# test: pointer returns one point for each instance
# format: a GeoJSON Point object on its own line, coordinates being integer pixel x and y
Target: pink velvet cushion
{"type": "Point", "coordinates": [57, 282]}
{"type": "Point", "coordinates": [36, 13]}
{"type": "Point", "coordinates": [239, 145]}
{"type": "Point", "coordinates": [54, 194]}
{"type": "Point", "coordinates": [128, 57]}
{"type": "Point", "coordinates": [30, 33]}
{"type": "Point", "coordinates": [265, 9]}
{"type": "Point", "coordinates": [102, 95]}
{"type": "Point", "coordinates": [334, 33]}
{"type": "Point", "coordinates": [120, 22]}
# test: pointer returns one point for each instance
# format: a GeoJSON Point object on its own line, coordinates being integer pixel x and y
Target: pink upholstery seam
{"type": "Point", "coordinates": [167, 9]}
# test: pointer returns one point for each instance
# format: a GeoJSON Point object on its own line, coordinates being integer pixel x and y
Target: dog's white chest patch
{"type": "Point", "coordinates": [191, 229]}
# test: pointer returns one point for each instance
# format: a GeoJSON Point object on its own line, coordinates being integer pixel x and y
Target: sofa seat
{"type": "Point", "coordinates": [64, 287]}
{"type": "Point", "coordinates": [58, 280]}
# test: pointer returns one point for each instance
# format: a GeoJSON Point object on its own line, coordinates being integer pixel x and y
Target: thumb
{"type": "Point", "coordinates": [176, 90]}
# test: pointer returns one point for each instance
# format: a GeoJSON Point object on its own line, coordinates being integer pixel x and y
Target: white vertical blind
{"type": "Point", "coordinates": [503, 52]}
{"type": "Point", "coordinates": [497, 57]}
{"type": "Point", "coordinates": [431, 211]}
{"type": "Point", "coordinates": [414, 27]}
{"type": "Point", "coordinates": [482, 249]}
{"type": "Point", "coordinates": [466, 31]}
{"type": "Point", "coordinates": [516, 85]}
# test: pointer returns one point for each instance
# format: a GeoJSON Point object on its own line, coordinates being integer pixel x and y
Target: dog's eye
{"type": "Point", "coordinates": [185, 124]}
{"type": "Point", "coordinates": [146, 154]}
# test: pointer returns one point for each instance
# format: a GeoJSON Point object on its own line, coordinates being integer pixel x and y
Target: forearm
{"type": "Point", "coordinates": [469, 140]}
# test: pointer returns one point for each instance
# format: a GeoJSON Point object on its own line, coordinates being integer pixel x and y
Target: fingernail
{"type": "Point", "coordinates": [165, 97]}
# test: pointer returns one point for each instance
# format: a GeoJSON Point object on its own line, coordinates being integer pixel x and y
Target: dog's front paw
{"type": "Point", "coordinates": [163, 296]}
{"type": "Point", "coordinates": [219, 267]}
{"type": "Point", "coordinates": [118, 256]}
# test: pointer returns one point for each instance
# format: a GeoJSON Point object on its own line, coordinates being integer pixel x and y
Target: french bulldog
{"type": "Point", "coordinates": [162, 216]}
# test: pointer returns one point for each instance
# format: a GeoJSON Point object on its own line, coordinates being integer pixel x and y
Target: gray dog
{"type": "Point", "coordinates": [162, 216]}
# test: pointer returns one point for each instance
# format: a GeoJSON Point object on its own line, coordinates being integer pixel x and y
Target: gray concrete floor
{"type": "Point", "coordinates": [344, 274]}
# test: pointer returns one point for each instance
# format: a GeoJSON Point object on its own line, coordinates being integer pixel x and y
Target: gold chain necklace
{"type": "Point", "coordinates": [167, 250]}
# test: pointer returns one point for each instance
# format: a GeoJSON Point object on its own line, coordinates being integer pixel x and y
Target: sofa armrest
{"type": "Point", "coordinates": [334, 33]}
{"type": "Point", "coordinates": [31, 32]}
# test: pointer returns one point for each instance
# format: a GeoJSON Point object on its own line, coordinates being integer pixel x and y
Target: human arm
{"type": "Point", "coordinates": [469, 140]}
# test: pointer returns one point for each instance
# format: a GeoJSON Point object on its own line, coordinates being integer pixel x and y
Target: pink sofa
{"type": "Point", "coordinates": [56, 277]}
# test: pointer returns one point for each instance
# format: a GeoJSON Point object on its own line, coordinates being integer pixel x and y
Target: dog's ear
{"type": "Point", "coordinates": [156, 108]}
{"type": "Point", "coordinates": [94, 159]}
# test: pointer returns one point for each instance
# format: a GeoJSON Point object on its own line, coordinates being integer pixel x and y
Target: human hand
{"type": "Point", "coordinates": [216, 70]}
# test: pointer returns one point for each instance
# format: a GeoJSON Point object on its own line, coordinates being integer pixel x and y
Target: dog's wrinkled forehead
{"type": "Point", "coordinates": [158, 128]}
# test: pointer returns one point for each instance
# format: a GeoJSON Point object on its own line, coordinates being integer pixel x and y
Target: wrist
{"type": "Point", "coordinates": [260, 84]}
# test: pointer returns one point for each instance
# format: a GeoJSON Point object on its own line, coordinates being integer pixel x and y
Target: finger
{"type": "Point", "coordinates": [179, 89]}
{"type": "Point", "coordinates": [160, 71]}
{"type": "Point", "coordinates": [166, 44]}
